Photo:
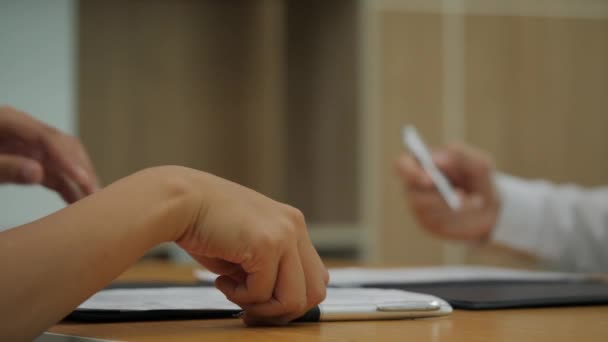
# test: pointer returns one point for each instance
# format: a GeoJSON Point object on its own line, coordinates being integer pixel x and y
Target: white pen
{"type": "Point", "coordinates": [414, 143]}
{"type": "Point", "coordinates": [401, 309]}
{"type": "Point", "coordinates": [374, 311]}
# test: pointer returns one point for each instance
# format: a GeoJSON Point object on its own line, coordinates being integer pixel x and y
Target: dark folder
{"type": "Point", "coordinates": [86, 315]}
{"type": "Point", "coordinates": [480, 295]}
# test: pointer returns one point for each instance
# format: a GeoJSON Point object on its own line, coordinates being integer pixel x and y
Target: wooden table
{"type": "Point", "coordinates": [554, 324]}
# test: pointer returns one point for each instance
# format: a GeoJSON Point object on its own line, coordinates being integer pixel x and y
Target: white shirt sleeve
{"type": "Point", "coordinates": [565, 225]}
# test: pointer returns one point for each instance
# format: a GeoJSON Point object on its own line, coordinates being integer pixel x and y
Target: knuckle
{"type": "Point", "coordinates": [288, 232]}
{"type": "Point", "coordinates": [295, 221]}
{"type": "Point", "coordinates": [293, 305]}
{"type": "Point", "coordinates": [174, 186]}
{"type": "Point", "coordinates": [317, 295]}
{"type": "Point", "coordinates": [296, 217]}
{"type": "Point", "coordinates": [265, 240]}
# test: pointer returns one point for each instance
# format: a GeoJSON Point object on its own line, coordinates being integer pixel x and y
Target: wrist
{"type": "Point", "coordinates": [492, 211]}
{"type": "Point", "coordinates": [175, 206]}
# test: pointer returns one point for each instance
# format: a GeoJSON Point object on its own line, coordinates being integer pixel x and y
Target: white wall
{"type": "Point", "coordinates": [37, 75]}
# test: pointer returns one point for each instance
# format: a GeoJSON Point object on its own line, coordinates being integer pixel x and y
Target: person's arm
{"type": "Point", "coordinates": [565, 225]}
{"type": "Point", "coordinates": [51, 265]}
{"type": "Point", "coordinates": [470, 173]}
{"type": "Point", "coordinates": [259, 246]}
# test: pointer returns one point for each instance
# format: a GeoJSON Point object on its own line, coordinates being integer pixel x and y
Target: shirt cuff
{"type": "Point", "coordinates": [519, 216]}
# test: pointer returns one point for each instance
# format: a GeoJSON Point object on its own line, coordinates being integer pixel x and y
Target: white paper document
{"type": "Point", "coordinates": [171, 298]}
{"type": "Point", "coordinates": [340, 303]}
{"type": "Point", "coordinates": [360, 276]}
{"type": "Point", "coordinates": [354, 276]}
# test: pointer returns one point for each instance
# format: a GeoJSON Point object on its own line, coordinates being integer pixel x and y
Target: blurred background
{"type": "Point", "coordinates": [304, 100]}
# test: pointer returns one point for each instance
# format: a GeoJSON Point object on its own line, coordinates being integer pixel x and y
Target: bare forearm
{"type": "Point", "coordinates": [51, 265]}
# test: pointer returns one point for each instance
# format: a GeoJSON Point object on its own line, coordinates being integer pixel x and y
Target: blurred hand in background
{"type": "Point", "coordinates": [32, 152]}
{"type": "Point", "coordinates": [470, 171]}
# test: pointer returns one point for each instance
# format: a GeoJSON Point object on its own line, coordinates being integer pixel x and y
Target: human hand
{"type": "Point", "coordinates": [259, 247]}
{"type": "Point", "coordinates": [32, 152]}
{"type": "Point", "coordinates": [471, 174]}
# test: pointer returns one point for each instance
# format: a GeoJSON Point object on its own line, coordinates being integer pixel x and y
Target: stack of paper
{"type": "Point", "coordinates": [340, 304]}
{"type": "Point", "coordinates": [354, 276]}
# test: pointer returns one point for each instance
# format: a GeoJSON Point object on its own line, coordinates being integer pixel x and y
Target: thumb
{"type": "Point", "coordinates": [21, 170]}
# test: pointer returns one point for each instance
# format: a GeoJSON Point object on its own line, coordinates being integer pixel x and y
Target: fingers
{"type": "Point", "coordinates": [218, 266]}
{"type": "Point", "coordinates": [21, 170]}
{"type": "Point", "coordinates": [91, 184]}
{"type": "Point", "coordinates": [45, 170]}
{"type": "Point", "coordinates": [301, 282]}
{"type": "Point", "coordinates": [280, 274]}
{"type": "Point", "coordinates": [316, 275]}
{"type": "Point", "coordinates": [64, 186]}
{"type": "Point", "coordinates": [259, 283]}
{"type": "Point", "coordinates": [289, 298]}
{"type": "Point", "coordinates": [462, 157]}
{"type": "Point", "coordinates": [66, 165]}
{"type": "Point", "coordinates": [281, 286]}
{"type": "Point", "coordinates": [412, 174]}
{"type": "Point", "coordinates": [465, 167]}
{"type": "Point", "coordinates": [471, 166]}
{"type": "Point", "coordinates": [66, 155]}
{"type": "Point", "coordinates": [469, 222]}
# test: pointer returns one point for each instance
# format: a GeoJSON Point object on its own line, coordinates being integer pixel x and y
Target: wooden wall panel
{"type": "Point", "coordinates": [534, 92]}
{"type": "Point", "coordinates": [536, 95]}
{"type": "Point", "coordinates": [536, 100]}
{"type": "Point", "coordinates": [195, 83]}
{"type": "Point", "coordinates": [322, 109]}
{"type": "Point", "coordinates": [261, 92]}
{"type": "Point", "coordinates": [410, 91]}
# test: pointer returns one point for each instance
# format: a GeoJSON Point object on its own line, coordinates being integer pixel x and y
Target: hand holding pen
{"type": "Point", "coordinates": [470, 176]}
